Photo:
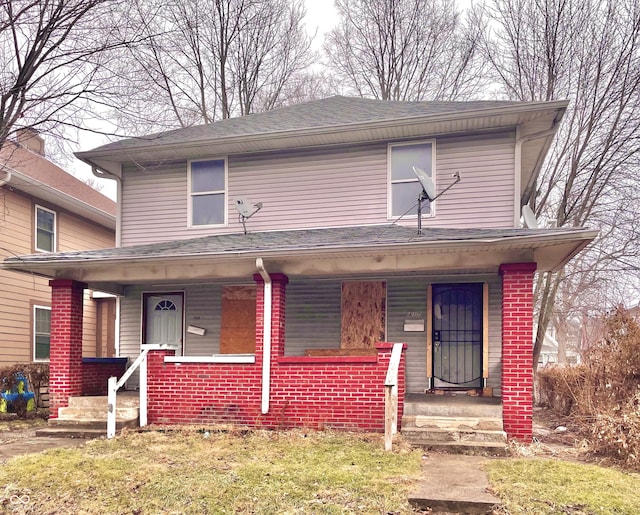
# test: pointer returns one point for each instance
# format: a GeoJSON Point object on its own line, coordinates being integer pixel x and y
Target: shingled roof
{"type": "Point", "coordinates": [328, 112]}
{"type": "Point", "coordinates": [296, 240]}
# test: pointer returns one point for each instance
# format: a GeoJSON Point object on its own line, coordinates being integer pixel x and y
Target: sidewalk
{"type": "Point", "coordinates": [455, 484]}
{"type": "Point", "coordinates": [24, 441]}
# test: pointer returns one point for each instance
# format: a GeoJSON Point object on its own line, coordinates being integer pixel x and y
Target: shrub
{"type": "Point", "coordinates": [602, 395]}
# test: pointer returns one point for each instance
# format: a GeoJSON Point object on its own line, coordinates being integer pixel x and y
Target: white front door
{"type": "Point", "coordinates": [164, 319]}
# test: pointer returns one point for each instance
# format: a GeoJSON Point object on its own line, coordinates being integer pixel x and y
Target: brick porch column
{"type": "Point", "coordinates": [517, 349]}
{"type": "Point", "coordinates": [279, 299]}
{"type": "Point", "coordinates": [65, 358]}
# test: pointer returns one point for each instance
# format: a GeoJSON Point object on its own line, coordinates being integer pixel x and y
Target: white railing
{"type": "Point", "coordinates": [391, 396]}
{"type": "Point", "coordinates": [114, 385]}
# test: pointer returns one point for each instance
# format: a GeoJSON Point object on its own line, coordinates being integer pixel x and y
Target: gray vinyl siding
{"type": "Point", "coordinates": [312, 319]}
{"type": "Point", "coordinates": [203, 309]}
{"type": "Point", "coordinates": [326, 187]}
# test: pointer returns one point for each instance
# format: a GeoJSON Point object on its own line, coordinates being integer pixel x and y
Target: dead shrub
{"type": "Point", "coordinates": [601, 396]}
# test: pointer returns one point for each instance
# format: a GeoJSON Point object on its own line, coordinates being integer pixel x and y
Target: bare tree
{"type": "Point", "coordinates": [53, 59]}
{"type": "Point", "coordinates": [587, 51]}
{"type": "Point", "coordinates": [203, 61]}
{"type": "Point", "coordinates": [405, 49]}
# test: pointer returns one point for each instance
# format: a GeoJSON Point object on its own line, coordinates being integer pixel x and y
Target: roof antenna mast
{"type": "Point", "coordinates": [429, 191]}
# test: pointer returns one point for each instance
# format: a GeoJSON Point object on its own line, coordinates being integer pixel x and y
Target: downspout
{"type": "Point", "coordinates": [104, 174]}
{"type": "Point", "coordinates": [528, 190]}
{"type": "Point", "coordinates": [266, 346]}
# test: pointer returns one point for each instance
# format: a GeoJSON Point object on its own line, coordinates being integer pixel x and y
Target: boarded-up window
{"type": "Point", "coordinates": [363, 314]}
{"type": "Point", "coordinates": [238, 326]}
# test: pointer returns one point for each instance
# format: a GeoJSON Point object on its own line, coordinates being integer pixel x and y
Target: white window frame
{"type": "Point", "coordinates": [190, 195]}
{"type": "Point", "coordinates": [390, 181]}
{"type": "Point", "coordinates": [35, 229]}
{"type": "Point", "coordinates": [36, 307]}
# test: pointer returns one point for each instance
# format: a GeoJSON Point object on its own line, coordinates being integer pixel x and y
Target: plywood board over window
{"type": "Point", "coordinates": [238, 326]}
{"type": "Point", "coordinates": [363, 314]}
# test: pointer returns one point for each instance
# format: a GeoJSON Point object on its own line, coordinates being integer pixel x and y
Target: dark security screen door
{"type": "Point", "coordinates": [457, 335]}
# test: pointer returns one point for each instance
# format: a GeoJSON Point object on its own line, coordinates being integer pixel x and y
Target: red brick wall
{"type": "Point", "coordinates": [97, 371]}
{"type": "Point", "coordinates": [517, 349]}
{"type": "Point", "coordinates": [65, 361]}
{"type": "Point", "coordinates": [314, 392]}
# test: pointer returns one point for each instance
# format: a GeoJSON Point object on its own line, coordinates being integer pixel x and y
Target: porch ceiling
{"type": "Point", "coordinates": [315, 252]}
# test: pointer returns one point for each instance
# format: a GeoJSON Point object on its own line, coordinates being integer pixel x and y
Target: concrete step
{"type": "Point", "coordinates": [123, 400]}
{"type": "Point", "coordinates": [437, 435]}
{"type": "Point", "coordinates": [464, 447]}
{"type": "Point", "coordinates": [453, 406]}
{"type": "Point", "coordinates": [71, 432]}
{"type": "Point", "coordinates": [93, 413]}
{"type": "Point", "coordinates": [89, 423]}
{"type": "Point", "coordinates": [460, 423]}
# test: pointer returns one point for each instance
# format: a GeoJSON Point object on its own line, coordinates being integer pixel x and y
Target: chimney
{"type": "Point", "coordinates": [31, 140]}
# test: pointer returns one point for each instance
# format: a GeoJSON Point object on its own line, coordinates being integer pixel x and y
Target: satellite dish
{"type": "Point", "coordinates": [530, 220]}
{"type": "Point", "coordinates": [246, 209]}
{"type": "Point", "coordinates": [428, 188]}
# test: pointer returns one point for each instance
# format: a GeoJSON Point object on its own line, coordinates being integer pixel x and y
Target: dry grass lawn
{"type": "Point", "coordinates": [189, 471]}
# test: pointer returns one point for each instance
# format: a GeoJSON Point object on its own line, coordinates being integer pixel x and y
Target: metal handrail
{"type": "Point", "coordinates": [114, 385]}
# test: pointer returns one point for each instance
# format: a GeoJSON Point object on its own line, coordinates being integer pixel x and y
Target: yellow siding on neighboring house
{"type": "Point", "coordinates": [20, 292]}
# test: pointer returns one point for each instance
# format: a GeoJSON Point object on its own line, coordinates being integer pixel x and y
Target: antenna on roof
{"type": "Point", "coordinates": [246, 209]}
{"type": "Point", "coordinates": [429, 190]}
{"type": "Point", "coordinates": [529, 218]}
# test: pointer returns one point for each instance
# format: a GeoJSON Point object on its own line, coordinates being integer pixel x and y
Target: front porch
{"type": "Point", "coordinates": [275, 388]}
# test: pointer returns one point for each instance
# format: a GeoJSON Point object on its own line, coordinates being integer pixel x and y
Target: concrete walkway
{"type": "Point", "coordinates": [24, 441]}
{"type": "Point", "coordinates": [454, 483]}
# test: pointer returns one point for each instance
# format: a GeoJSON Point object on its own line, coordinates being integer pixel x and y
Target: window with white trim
{"type": "Point", "coordinates": [208, 192]}
{"type": "Point", "coordinates": [404, 186]}
{"type": "Point", "coordinates": [41, 333]}
{"type": "Point", "coordinates": [45, 233]}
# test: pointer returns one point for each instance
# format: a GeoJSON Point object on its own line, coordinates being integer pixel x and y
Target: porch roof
{"type": "Point", "coordinates": [331, 251]}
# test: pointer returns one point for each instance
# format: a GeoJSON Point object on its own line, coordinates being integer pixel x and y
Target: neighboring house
{"type": "Point", "coordinates": [45, 210]}
{"type": "Point", "coordinates": [289, 324]}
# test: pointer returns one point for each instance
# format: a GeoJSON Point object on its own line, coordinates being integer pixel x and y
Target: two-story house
{"type": "Point", "coordinates": [46, 210]}
{"type": "Point", "coordinates": [289, 322]}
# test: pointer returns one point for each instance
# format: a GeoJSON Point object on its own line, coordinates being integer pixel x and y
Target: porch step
{"type": "Point", "coordinates": [124, 400]}
{"type": "Point", "coordinates": [73, 413]}
{"type": "Point", "coordinates": [458, 423]}
{"type": "Point", "coordinates": [453, 406]}
{"type": "Point", "coordinates": [86, 417]}
{"type": "Point", "coordinates": [456, 434]}
{"type": "Point", "coordinates": [71, 432]}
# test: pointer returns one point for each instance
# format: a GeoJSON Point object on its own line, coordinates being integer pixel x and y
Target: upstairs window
{"type": "Point", "coordinates": [45, 230]}
{"type": "Point", "coordinates": [404, 186]}
{"type": "Point", "coordinates": [41, 333]}
{"type": "Point", "coordinates": [208, 192]}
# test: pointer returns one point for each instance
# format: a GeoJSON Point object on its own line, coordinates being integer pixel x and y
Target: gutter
{"type": "Point", "coordinates": [266, 346]}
